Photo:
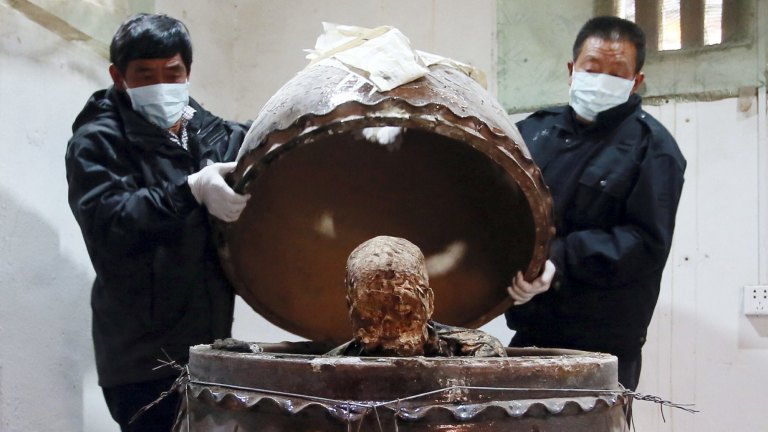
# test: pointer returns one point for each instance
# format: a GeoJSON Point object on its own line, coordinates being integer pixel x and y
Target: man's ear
{"type": "Point", "coordinates": [117, 77]}
{"type": "Point", "coordinates": [570, 72]}
{"type": "Point", "coordinates": [431, 300]}
{"type": "Point", "coordinates": [639, 78]}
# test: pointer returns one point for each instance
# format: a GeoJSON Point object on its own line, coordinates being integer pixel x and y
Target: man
{"type": "Point", "coordinates": [145, 166]}
{"type": "Point", "coordinates": [615, 175]}
{"type": "Point", "coordinates": [391, 304]}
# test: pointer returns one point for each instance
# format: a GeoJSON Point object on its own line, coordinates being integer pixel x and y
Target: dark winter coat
{"type": "Point", "coordinates": [159, 287]}
{"type": "Point", "coordinates": [615, 186]}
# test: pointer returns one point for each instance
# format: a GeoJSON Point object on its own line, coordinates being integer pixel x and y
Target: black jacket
{"type": "Point", "coordinates": [159, 286]}
{"type": "Point", "coordinates": [615, 186]}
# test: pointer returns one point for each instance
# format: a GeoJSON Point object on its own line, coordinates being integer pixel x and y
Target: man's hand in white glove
{"type": "Point", "coordinates": [210, 189]}
{"type": "Point", "coordinates": [522, 291]}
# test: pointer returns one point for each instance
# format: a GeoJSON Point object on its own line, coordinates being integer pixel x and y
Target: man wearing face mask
{"type": "Point", "coordinates": [145, 168]}
{"type": "Point", "coordinates": [616, 175]}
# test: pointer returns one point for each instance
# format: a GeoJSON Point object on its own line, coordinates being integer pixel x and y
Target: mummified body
{"type": "Point", "coordinates": [391, 304]}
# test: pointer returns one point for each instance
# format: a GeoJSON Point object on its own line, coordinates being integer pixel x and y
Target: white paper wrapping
{"type": "Point", "coordinates": [382, 55]}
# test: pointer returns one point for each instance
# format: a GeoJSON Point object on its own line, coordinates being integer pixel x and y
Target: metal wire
{"type": "Point", "coordinates": [368, 407]}
{"type": "Point", "coordinates": [411, 397]}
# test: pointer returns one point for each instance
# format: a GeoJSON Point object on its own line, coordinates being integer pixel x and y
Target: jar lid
{"type": "Point", "coordinates": [458, 182]}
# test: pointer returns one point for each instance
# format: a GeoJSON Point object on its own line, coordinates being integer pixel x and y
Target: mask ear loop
{"type": "Point", "coordinates": [127, 92]}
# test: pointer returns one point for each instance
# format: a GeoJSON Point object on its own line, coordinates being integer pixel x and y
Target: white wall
{"type": "Point", "coordinates": [45, 347]}
{"type": "Point", "coordinates": [701, 348]}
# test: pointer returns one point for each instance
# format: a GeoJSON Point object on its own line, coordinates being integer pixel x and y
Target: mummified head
{"type": "Point", "coordinates": [389, 297]}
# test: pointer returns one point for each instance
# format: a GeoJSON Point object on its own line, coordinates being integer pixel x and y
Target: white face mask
{"type": "Point", "coordinates": [593, 93]}
{"type": "Point", "coordinates": [161, 104]}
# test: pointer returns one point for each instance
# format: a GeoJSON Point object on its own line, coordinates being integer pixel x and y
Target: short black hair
{"type": "Point", "coordinates": [146, 36]}
{"type": "Point", "coordinates": [612, 28]}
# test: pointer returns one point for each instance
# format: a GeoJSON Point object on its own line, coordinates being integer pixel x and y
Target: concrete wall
{"type": "Point", "coordinates": [530, 79]}
{"type": "Point", "coordinates": [701, 348]}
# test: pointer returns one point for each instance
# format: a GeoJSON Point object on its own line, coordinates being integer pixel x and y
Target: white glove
{"type": "Point", "coordinates": [522, 291]}
{"type": "Point", "coordinates": [210, 189]}
{"type": "Point", "coordinates": [384, 135]}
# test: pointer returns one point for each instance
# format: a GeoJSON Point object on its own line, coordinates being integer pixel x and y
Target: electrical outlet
{"type": "Point", "coordinates": [756, 300]}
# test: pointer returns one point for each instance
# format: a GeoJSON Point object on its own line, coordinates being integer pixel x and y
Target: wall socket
{"type": "Point", "coordinates": [756, 300]}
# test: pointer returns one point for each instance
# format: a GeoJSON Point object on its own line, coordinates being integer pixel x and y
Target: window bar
{"type": "Point", "coordinates": [691, 23]}
{"type": "Point", "coordinates": [648, 16]}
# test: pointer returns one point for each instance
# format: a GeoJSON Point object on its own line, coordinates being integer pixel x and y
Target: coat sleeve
{"type": "Point", "coordinates": [111, 205]}
{"type": "Point", "coordinates": [637, 247]}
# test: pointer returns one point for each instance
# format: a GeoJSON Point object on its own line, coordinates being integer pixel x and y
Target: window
{"type": "Point", "coordinates": [697, 49]}
{"type": "Point", "coordinates": [682, 24]}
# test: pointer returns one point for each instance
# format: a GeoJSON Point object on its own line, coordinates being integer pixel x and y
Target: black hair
{"type": "Point", "coordinates": [146, 36]}
{"type": "Point", "coordinates": [612, 28]}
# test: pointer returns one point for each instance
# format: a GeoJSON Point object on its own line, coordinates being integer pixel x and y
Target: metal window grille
{"type": "Point", "coordinates": [684, 24]}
